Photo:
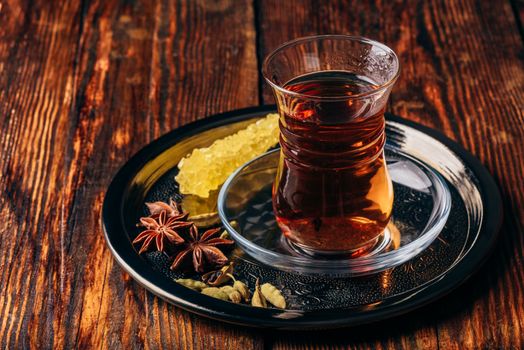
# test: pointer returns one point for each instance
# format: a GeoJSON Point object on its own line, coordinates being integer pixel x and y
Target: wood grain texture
{"type": "Point", "coordinates": [84, 86]}
{"type": "Point", "coordinates": [462, 73]}
{"type": "Point", "coordinates": [36, 98]}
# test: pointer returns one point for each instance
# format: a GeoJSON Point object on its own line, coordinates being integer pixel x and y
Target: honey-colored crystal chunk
{"type": "Point", "coordinates": [205, 169]}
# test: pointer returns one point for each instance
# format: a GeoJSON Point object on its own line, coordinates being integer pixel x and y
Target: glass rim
{"type": "Point", "coordinates": [355, 38]}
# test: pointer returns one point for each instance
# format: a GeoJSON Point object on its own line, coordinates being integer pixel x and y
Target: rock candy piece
{"type": "Point", "coordinates": [205, 169]}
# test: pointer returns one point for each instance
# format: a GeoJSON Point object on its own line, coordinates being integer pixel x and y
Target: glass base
{"type": "Point", "coordinates": [372, 248]}
{"type": "Point", "coordinates": [420, 210]}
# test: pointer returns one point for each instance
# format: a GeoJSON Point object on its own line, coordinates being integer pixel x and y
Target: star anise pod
{"type": "Point", "coordinates": [159, 230]}
{"type": "Point", "coordinates": [203, 249]}
{"type": "Point", "coordinates": [172, 209]}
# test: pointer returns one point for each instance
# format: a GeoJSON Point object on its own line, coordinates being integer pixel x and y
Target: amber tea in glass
{"type": "Point", "coordinates": [332, 193]}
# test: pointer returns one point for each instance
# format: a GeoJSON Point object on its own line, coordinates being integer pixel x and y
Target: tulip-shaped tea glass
{"type": "Point", "coordinates": [332, 193]}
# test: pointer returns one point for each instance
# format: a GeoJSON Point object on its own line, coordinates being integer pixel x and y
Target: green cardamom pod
{"type": "Point", "coordinates": [215, 293]}
{"type": "Point", "coordinates": [258, 299]}
{"type": "Point", "coordinates": [192, 284]}
{"type": "Point", "coordinates": [224, 235]}
{"type": "Point", "coordinates": [242, 288]}
{"type": "Point", "coordinates": [235, 297]}
{"type": "Point", "coordinates": [232, 293]}
{"type": "Point", "coordinates": [273, 295]}
{"type": "Point", "coordinates": [227, 289]}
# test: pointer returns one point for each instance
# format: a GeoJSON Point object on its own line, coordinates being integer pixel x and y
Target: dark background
{"type": "Point", "coordinates": [85, 84]}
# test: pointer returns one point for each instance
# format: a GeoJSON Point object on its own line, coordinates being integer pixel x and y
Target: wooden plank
{"type": "Point", "coordinates": [84, 86]}
{"type": "Point", "coordinates": [475, 88]}
{"type": "Point", "coordinates": [38, 43]}
{"type": "Point", "coordinates": [341, 17]}
{"type": "Point", "coordinates": [461, 73]}
{"type": "Point", "coordinates": [161, 65]}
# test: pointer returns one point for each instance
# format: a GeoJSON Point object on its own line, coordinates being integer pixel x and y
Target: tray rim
{"type": "Point", "coordinates": [141, 271]}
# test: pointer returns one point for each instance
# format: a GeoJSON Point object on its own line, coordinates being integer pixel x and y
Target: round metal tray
{"type": "Point", "coordinates": [313, 301]}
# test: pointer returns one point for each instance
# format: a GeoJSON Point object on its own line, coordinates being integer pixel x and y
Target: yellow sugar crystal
{"type": "Point", "coordinates": [205, 169]}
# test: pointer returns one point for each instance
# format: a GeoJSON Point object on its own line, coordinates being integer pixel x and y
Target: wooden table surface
{"type": "Point", "coordinates": [86, 84]}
